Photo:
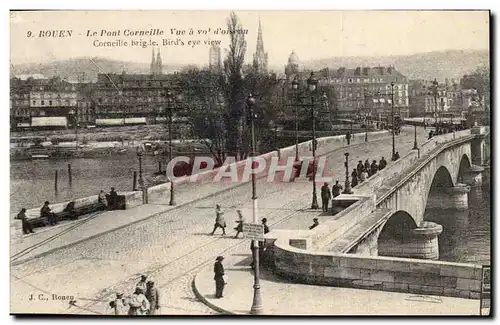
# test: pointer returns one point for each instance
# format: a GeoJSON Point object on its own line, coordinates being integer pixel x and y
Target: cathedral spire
{"type": "Point", "coordinates": [260, 56]}
{"type": "Point", "coordinates": [153, 64]}
{"type": "Point", "coordinates": [159, 67]}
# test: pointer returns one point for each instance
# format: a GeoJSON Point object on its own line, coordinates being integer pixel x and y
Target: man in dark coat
{"type": "Point", "coordinates": [374, 167]}
{"type": "Point", "coordinates": [27, 228]}
{"type": "Point", "coordinates": [336, 189]}
{"type": "Point", "coordinates": [354, 178]}
{"type": "Point", "coordinates": [326, 195]}
{"type": "Point", "coordinates": [360, 167]}
{"type": "Point", "coordinates": [348, 137]}
{"type": "Point", "coordinates": [153, 296]}
{"type": "Point", "coordinates": [219, 277]}
{"type": "Point", "coordinates": [45, 212]}
{"type": "Point", "coordinates": [382, 164]}
{"type": "Point", "coordinates": [113, 199]}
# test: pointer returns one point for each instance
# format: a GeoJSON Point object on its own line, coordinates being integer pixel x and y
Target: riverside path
{"type": "Point", "coordinates": [171, 246]}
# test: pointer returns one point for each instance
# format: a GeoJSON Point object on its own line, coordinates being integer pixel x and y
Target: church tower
{"type": "Point", "coordinates": [260, 56]}
{"type": "Point", "coordinates": [159, 66]}
{"type": "Point", "coordinates": [153, 63]}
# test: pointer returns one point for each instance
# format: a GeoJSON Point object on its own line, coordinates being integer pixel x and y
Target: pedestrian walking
{"type": "Point", "coordinates": [336, 189]}
{"type": "Point", "coordinates": [431, 134]}
{"type": "Point", "coordinates": [239, 223]}
{"type": "Point", "coordinates": [45, 212]}
{"type": "Point", "coordinates": [142, 283]}
{"type": "Point", "coordinates": [219, 220]}
{"type": "Point", "coordinates": [153, 296]}
{"type": "Point", "coordinates": [348, 137]}
{"type": "Point", "coordinates": [119, 305]}
{"type": "Point", "coordinates": [219, 277]}
{"type": "Point", "coordinates": [326, 195]}
{"type": "Point", "coordinates": [354, 178]}
{"type": "Point", "coordinates": [374, 167]}
{"type": "Point", "coordinates": [26, 224]}
{"type": "Point", "coordinates": [382, 164]}
{"type": "Point", "coordinates": [138, 304]}
{"type": "Point", "coordinates": [315, 224]}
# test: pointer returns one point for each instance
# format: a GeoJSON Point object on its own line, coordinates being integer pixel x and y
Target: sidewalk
{"type": "Point", "coordinates": [280, 297]}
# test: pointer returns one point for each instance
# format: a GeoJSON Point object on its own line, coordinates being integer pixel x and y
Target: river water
{"type": "Point", "coordinates": [465, 236]}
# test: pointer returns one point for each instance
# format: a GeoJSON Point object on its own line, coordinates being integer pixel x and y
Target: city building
{"type": "Point", "coordinates": [427, 99]}
{"type": "Point", "coordinates": [156, 65]}
{"type": "Point", "coordinates": [214, 58]}
{"type": "Point", "coordinates": [85, 110]}
{"type": "Point", "coordinates": [260, 56]}
{"type": "Point", "coordinates": [361, 91]}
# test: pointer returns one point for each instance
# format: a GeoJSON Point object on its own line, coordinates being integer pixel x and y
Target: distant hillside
{"type": "Point", "coordinates": [91, 67]}
{"type": "Point", "coordinates": [440, 65]}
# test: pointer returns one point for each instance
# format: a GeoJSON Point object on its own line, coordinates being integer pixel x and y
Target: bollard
{"type": "Point", "coordinates": [134, 186]}
{"type": "Point", "coordinates": [55, 182]}
{"type": "Point", "coordinates": [70, 178]}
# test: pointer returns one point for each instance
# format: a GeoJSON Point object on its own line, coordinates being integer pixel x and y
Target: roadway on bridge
{"type": "Point", "coordinates": [172, 246]}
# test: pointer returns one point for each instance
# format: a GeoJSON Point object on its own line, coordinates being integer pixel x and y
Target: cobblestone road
{"type": "Point", "coordinates": [170, 247]}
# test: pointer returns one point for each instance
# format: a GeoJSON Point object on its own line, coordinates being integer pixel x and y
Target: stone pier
{"type": "Point", "coordinates": [422, 242]}
{"type": "Point", "coordinates": [460, 197]}
{"type": "Point", "coordinates": [474, 176]}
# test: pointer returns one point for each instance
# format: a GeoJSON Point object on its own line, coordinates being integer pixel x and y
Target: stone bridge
{"type": "Point", "coordinates": [385, 216]}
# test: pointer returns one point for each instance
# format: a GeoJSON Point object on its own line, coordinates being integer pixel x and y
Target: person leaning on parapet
{"type": "Point", "coordinates": [219, 220]}
{"type": "Point", "coordinates": [431, 134]}
{"type": "Point", "coordinates": [142, 283]}
{"type": "Point", "coordinates": [101, 198]}
{"type": "Point", "coordinates": [326, 195]}
{"type": "Point", "coordinates": [119, 304]}
{"type": "Point", "coordinates": [113, 199]}
{"type": "Point", "coordinates": [336, 189]}
{"type": "Point", "coordinates": [219, 277]}
{"type": "Point", "coordinates": [374, 167]}
{"type": "Point", "coordinates": [45, 212]}
{"type": "Point", "coordinates": [382, 164]}
{"type": "Point", "coordinates": [354, 177]}
{"type": "Point", "coordinates": [27, 228]}
{"type": "Point", "coordinates": [368, 167]}
{"type": "Point", "coordinates": [360, 167]}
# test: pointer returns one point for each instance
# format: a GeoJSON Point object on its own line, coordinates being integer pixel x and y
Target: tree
{"type": "Point", "coordinates": [479, 80]}
{"type": "Point", "coordinates": [233, 77]}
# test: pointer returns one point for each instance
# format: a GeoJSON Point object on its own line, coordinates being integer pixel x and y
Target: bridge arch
{"type": "Point", "coordinates": [395, 232]}
{"type": "Point", "coordinates": [465, 165]}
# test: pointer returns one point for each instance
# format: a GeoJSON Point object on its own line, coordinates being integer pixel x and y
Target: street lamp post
{"type": "Point", "coordinates": [415, 146]}
{"type": "Point", "coordinates": [170, 119]}
{"type": "Point", "coordinates": [257, 308]}
{"type": "Point", "coordinates": [435, 92]}
{"type": "Point", "coordinates": [393, 126]}
{"type": "Point", "coordinates": [348, 189]}
{"type": "Point", "coordinates": [312, 84]}
{"type": "Point", "coordinates": [140, 153]}
{"type": "Point", "coordinates": [295, 86]}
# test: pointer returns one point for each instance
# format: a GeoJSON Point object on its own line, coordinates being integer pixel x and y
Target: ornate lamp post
{"type": "Point", "coordinates": [348, 189]}
{"type": "Point", "coordinates": [312, 84]}
{"type": "Point", "coordinates": [140, 153]}
{"type": "Point", "coordinates": [74, 114]}
{"type": "Point", "coordinates": [170, 118]}
{"type": "Point", "coordinates": [257, 308]}
{"type": "Point", "coordinates": [295, 86]}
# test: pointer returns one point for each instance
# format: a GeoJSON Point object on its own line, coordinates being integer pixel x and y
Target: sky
{"type": "Point", "coordinates": [311, 34]}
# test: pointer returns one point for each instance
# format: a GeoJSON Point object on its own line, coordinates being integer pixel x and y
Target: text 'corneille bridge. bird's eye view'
{"type": "Point", "coordinates": [250, 163]}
